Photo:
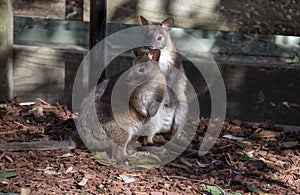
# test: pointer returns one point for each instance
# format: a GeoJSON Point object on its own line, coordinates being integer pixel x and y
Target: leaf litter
{"type": "Point", "coordinates": [265, 161]}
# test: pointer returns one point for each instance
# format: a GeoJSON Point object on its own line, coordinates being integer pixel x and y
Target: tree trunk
{"type": "Point", "coordinates": [6, 47]}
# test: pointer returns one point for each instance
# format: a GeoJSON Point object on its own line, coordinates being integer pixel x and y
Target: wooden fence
{"type": "Point", "coordinates": [258, 87]}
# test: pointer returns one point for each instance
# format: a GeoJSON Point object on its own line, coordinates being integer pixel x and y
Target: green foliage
{"type": "Point", "coordinates": [214, 190]}
{"type": "Point", "coordinates": [8, 175]}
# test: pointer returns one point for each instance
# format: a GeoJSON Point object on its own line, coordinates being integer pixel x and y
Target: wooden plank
{"type": "Point", "coordinates": [63, 34]}
{"type": "Point", "coordinates": [255, 92]}
{"type": "Point", "coordinates": [86, 10]}
{"type": "Point", "coordinates": [74, 34]}
{"type": "Point", "coordinates": [72, 62]}
{"type": "Point", "coordinates": [49, 9]}
{"type": "Point", "coordinates": [41, 72]}
{"type": "Point", "coordinates": [263, 17]}
{"type": "Point", "coordinates": [6, 40]}
{"type": "Point", "coordinates": [187, 14]}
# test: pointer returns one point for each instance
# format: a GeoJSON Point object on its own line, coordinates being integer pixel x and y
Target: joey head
{"type": "Point", "coordinates": [150, 82]}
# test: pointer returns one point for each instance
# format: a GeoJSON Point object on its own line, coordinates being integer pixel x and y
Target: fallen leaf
{"type": "Point", "coordinates": [296, 60]}
{"type": "Point", "coordinates": [4, 181]}
{"type": "Point", "coordinates": [289, 144]}
{"type": "Point", "coordinates": [100, 155]}
{"type": "Point", "coordinates": [3, 106]}
{"type": "Point", "coordinates": [254, 189]}
{"type": "Point", "coordinates": [231, 137]}
{"type": "Point", "coordinates": [69, 170]}
{"type": "Point", "coordinates": [179, 166]}
{"type": "Point", "coordinates": [243, 144]}
{"type": "Point", "coordinates": [127, 179]}
{"type": "Point", "coordinates": [102, 188]}
{"type": "Point", "coordinates": [214, 190]}
{"type": "Point", "coordinates": [27, 103]}
{"type": "Point", "coordinates": [265, 134]}
{"type": "Point", "coordinates": [50, 172]}
{"type": "Point", "coordinates": [66, 155]}
{"type": "Point", "coordinates": [25, 191]}
{"type": "Point", "coordinates": [101, 158]}
{"type": "Point", "coordinates": [187, 163]}
{"type": "Point", "coordinates": [250, 154]}
{"type": "Point", "coordinates": [83, 182]}
{"type": "Point", "coordinates": [8, 174]}
{"type": "Point", "coordinates": [9, 193]}
{"type": "Point", "coordinates": [102, 162]}
{"type": "Point", "coordinates": [202, 165]}
{"type": "Point", "coordinates": [145, 160]}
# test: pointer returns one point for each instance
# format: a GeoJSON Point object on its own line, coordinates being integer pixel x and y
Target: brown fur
{"type": "Point", "coordinates": [158, 37]}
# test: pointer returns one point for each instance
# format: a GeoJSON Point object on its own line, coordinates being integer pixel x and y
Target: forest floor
{"type": "Point", "coordinates": [246, 159]}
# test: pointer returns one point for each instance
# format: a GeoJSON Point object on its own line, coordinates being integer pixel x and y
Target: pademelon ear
{"type": "Point", "coordinates": [137, 51]}
{"type": "Point", "coordinates": [145, 21]}
{"type": "Point", "coordinates": [167, 24]}
{"type": "Point", "coordinates": [154, 54]}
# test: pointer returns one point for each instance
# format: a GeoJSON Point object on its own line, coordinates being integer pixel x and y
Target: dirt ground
{"type": "Point", "coordinates": [246, 159]}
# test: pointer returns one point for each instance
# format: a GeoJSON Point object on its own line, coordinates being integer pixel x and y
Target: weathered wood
{"type": "Point", "coordinates": [86, 10]}
{"type": "Point", "coordinates": [61, 34]}
{"type": "Point", "coordinates": [256, 89]}
{"type": "Point", "coordinates": [41, 72]}
{"type": "Point", "coordinates": [187, 14]}
{"type": "Point", "coordinates": [72, 62]}
{"type": "Point", "coordinates": [276, 17]}
{"type": "Point", "coordinates": [6, 43]}
{"type": "Point", "coordinates": [74, 35]}
{"type": "Point", "coordinates": [273, 17]}
{"type": "Point", "coordinates": [49, 9]}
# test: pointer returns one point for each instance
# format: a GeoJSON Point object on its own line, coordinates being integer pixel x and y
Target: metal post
{"type": "Point", "coordinates": [97, 33]}
{"type": "Point", "coordinates": [97, 21]}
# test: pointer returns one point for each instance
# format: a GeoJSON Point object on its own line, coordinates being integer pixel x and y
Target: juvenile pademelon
{"type": "Point", "coordinates": [149, 90]}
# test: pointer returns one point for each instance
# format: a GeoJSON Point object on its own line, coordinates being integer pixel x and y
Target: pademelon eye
{"type": "Point", "coordinates": [159, 38]}
{"type": "Point", "coordinates": [141, 70]}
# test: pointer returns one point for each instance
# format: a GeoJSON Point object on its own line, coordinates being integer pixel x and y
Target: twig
{"type": "Point", "coordinates": [3, 154]}
{"type": "Point", "coordinates": [8, 132]}
{"type": "Point", "coordinates": [184, 178]}
{"type": "Point", "coordinates": [292, 169]}
{"type": "Point", "coordinates": [27, 103]}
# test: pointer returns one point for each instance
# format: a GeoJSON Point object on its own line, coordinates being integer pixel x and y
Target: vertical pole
{"type": "Point", "coordinates": [97, 21]}
{"type": "Point", "coordinates": [97, 34]}
{"type": "Point", "coordinates": [6, 47]}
